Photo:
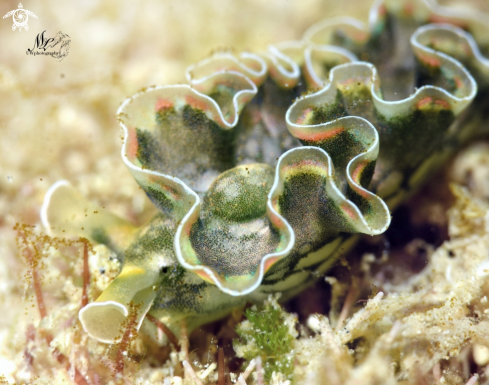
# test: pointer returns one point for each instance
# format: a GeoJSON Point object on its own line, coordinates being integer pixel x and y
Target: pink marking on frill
{"type": "Point", "coordinates": [202, 274]}
{"type": "Point", "coordinates": [188, 228]}
{"type": "Point", "coordinates": [275, 204]}
{"type": "Point", "coordinates": [306, 166]}
{"type": "Point", "coordinates": [269, 263]}
{"type": "Point", "coordinates": [408, 9]}
{"type": "Point", "coordinates": [349, 82]}
{"type": "Point", "coordinates": [442, 103]}
{"type": "Point", "coordinates": [357, 173]}
{"type": "Point", "coordinates": [155, 179]}
{"type": "Point", "coordinates": [196, 103]}
{"type": "Point", "coordinates": [430, 102]}
{"type": "Point", "coordinates": [382, 10]}
{"type": "Point", "coordinates": [171, 191]}
{"type": "Point", "coordinates": [365, 194]}
{"type": "Point", "coordinates": [163, 103]}
{"type": "Point", "coordinates": [310, 163]}
{"type": "Point", "coordinates": [304, 115]}
{"type": "Point", "coordinates": [439, 19]}
{"type": "Point", "coordinates": [243, 100]}
{"type": "Point", "coordinates": [204, 106]}
{"type": "Point", "coordinates": [276, 221]}
{"type": "Point", "coordinates": [132, 143]}
{"type": "Point", "coordinates": [359, 36]}
{"type": "Point", "coordinates": [274, 73]}
{"type": "Point", "coordinates": [430, 60]}
{"type": "Point", "coordinates": [424, 102]}
{"type": "Point", "coordinates": [349, 211]}
{"type": "Point", "coordinates": [319, 136]}
{"type": "Point", "coordinates": [458, 82]}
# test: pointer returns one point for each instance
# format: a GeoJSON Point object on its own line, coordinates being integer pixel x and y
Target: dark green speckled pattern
{"type": "Point", "coordinates": [265, 166]}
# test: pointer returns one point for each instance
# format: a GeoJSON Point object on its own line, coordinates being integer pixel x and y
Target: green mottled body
{"type": "Point", "coordinates": [262, 185]}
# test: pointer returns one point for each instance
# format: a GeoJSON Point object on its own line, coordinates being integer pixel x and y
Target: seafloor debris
{"type": "Point", "coordinates": [431, 328]}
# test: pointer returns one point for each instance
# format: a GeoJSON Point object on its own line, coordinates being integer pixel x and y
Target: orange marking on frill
{"type": "Point", "coordinates": [204, 106]}
{"type": "Point", "coordinates": [442, 103]}
{"type": "Point", "coordinates": [307, 166]}
{"type": "Point", "coordinates": [170, 190]}
{"type": "Point", "coordinates": [319, 136]}
{"type": "Point", "coordinates": [382, 10]}
{"type": "Point", "coordinates": [305, 115]}
{"type": "Point", "coordinates": [196, 103]}
{"type": "Point", "coordinates": [408, 9]}
{"type": "Point", "coordinates": [359, 36]}
{"type": "Point", "coordinates": [349, 211]}
{"type": "Point", "coordinates": [458, 82]}
{"type": "Point", "coordinates": [357, 173]}
{"type": "Point", "coordinates": [350, 82]}
{"type": "Point", "coordinates": [269, 263]}
{"type": "Point", "coordinates": [274, 73]}
{"type": "Point", "coordinates": [188, 228]}
{"type": "Point", "coordinates": [276, 221]}
{"type": "Point", "coordinates": [430, 102]}
{"type": "Point", "coordinates": [430, 60]}
{"type": "Point", "coordinates": [424, 102]}
{"type": "Point", "coordinates": [202, 274]}
{"type": "Point", "coordinates": [163, 103]}
{"type": "Point", "coordinates": [442, 19]}
{"type": "Point", "coordinates": [365, 194]}
{"type": "Point", "coordinates": [155, 179]}
{"type": "Point", "coordinates": [132, 143]}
